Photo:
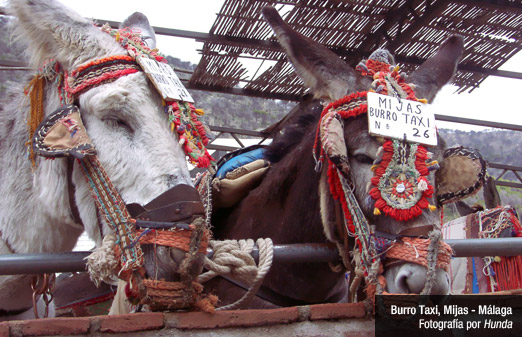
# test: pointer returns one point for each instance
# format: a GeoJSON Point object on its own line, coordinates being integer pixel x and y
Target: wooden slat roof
{"type": "Point", "coordinates": [412, 29]}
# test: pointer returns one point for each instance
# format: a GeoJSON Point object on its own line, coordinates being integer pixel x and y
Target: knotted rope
{"type": "Point", "coordinates": [102, 262]}
{"type": "Point", "coordinates": [436, 254]}
{"type": "Point", "coordinates": [232, 258]}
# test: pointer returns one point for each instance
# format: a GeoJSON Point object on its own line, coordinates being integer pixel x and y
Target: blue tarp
{"type": "Point", "coordinates": [239, 161]}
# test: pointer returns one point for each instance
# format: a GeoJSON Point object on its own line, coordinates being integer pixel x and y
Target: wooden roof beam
{"type": "Point", "coordinates": [392, 17]}
{"type": "Point", "coordinates": [510, 6]}
{"type": "Point", "coordinates": [242, 92]}
{"type": "Point", "coordinates": [463, 67]}
{"type": "Point", "coordinates": [410, 60]}
{"type": "Point", "coordinates": [434, 9]}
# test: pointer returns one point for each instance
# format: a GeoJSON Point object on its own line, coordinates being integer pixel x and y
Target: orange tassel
{"type": "Point", "coordinates": [35, 90]}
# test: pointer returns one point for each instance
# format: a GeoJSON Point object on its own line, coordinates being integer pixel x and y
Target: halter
{"type": "Point", "coordinates": [165, 220]}
{"type": "Point", "coordinates": [400, 187]}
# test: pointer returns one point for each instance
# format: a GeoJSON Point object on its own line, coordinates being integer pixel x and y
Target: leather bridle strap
{"type": "Point", "coordinates": [417, 232]}
{"type": "Point", "coordinates": [71, 192]}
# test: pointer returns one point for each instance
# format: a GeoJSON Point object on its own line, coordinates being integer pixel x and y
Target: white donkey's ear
{"type": "Point", "coordinates": [321, 70]}
{"type": "Point", "coordinates": [53, 31]}
{"type": "Point", "coordinates": [138, 21]}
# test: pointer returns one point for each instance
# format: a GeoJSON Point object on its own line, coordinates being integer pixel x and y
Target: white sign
{"type": "Point", "coordinates": [165, 80]}
{"type": "Point", "coordinates": [393, 117]}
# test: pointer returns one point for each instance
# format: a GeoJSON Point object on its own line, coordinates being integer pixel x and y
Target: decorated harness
{"type": "Point", "coordinates": [399, 185]}
{"type": "Point", "coordinates": [175, 219]}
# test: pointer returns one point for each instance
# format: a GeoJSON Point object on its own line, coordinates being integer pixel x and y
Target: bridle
{"type": "Point", "coordinates": [372, 247]}
{"type": "Point", "coordinates": [173, 219]}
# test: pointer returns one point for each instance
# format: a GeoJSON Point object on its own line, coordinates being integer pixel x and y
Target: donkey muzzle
{"type": "Point", "coordinates": [176, 207]}
{"type": "Point", "coordinates": [174, 210]}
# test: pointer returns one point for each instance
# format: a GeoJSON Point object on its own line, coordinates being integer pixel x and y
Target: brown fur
{"type": "Point", "coordinates": [286, 206]}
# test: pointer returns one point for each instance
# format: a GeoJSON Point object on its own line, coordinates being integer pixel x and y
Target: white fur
{"type": "Point", "coordinates": [34, 208]}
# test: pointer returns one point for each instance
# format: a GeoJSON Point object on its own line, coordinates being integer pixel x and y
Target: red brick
{"type": "Point", "coordinates": [132, 322]}
{"type": "Point", "coordinates": [54, 326]}
{"type": "Point", "coordinates": [337, 311]}
{"type": "Point", "coordinates": [231, 318]}
{"type": "Point", "coordinates": [4, 329]}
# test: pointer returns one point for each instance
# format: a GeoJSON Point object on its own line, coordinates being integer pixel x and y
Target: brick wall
{"type": "Point", "coordinates": [345, 319]}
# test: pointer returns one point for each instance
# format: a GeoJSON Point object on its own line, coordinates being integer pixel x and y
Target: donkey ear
{"type": "Point", "coordinates": [138, 21]}
{"type": "Point", "coordinates": [321, 70]}
{"type": "Point", "coordinates": [53, 31]}
{"type": "Point", "coordinates": [438, 70]}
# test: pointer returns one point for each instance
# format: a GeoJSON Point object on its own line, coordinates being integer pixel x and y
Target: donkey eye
{"type": "Point", "coordinates": [118, 124]}
{"type": "Point", "coordinates": [363, 159]}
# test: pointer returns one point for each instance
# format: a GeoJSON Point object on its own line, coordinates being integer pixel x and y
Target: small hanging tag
{"type": "Point", "coordinates": [402, 119]}
{"type": "Point", "coordinates": [165, 80]}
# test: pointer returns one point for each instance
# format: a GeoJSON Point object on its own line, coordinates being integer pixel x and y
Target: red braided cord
{"type": "Point", "coordinates": [363, 108]}
{"type": "Point", "coordinates": [404, 250]}
{"type": "Point", "coordinates": [101, 61]}
{"type": "Point", "coordinates": [98, 80]}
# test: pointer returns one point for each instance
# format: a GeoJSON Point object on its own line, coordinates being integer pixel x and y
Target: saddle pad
{"type": "Point", "coordinates": [230, 190]}
{"type": "Point", "coordinates": [239, 160]}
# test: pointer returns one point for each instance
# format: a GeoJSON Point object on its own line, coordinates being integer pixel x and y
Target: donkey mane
{"type": "Point", "coordinates": [291, 136]}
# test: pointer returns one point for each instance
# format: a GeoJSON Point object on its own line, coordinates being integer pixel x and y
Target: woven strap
{"type": "Point", "coordinates": [175, 238]}
{"type": "Point", "coordinates": [415, 250]}
{"type": "Point", "coordinates": [97, 72]}
{"type": "Point", "coordinates": [112, 208]}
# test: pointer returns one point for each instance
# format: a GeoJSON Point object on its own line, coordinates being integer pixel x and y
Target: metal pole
{"type": "Point", "coordinates": [15, 264]}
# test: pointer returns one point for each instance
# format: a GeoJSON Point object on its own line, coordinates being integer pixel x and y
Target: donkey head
{"type": "Point", "coordinates": [124, 118]}
{"type": "Point", "coordinates": [331, 79]}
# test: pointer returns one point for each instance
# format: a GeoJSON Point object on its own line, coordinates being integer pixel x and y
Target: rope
{"type": "Point", "coordinates": [433, 251]}
{"type": "Point", "coordinates": [232, 258]}
{"type": "Point", "coordinates": [102, 262]}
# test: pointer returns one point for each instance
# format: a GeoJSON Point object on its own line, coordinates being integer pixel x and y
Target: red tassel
{"type": "Point", "coordinates": [381, 204]}
{"type": "Point", "coordinates": [375, 193]}
{"type": "Point", "coordinates": [423, 203]}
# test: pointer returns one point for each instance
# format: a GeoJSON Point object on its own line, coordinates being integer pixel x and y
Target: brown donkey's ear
{"type": "Point", "coordinates": [321, 70]}
{"type": "Point", "coordinates": [438, 70]}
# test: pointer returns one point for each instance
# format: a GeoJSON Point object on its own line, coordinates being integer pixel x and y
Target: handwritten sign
{"type": "Point", "coordinates": [398, 118]}
{"type": "Point", "coordinates": [165, 80]}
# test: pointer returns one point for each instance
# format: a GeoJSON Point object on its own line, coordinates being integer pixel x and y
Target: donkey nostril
{"type": "Point", "coordinates": [401, 282]}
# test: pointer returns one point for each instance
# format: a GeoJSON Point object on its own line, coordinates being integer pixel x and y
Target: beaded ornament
{"type": "Point", "coordinates": [401, 187]}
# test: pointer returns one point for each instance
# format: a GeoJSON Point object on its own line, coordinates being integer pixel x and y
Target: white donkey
{"type": "Point", "coordinates": [124, 118]}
